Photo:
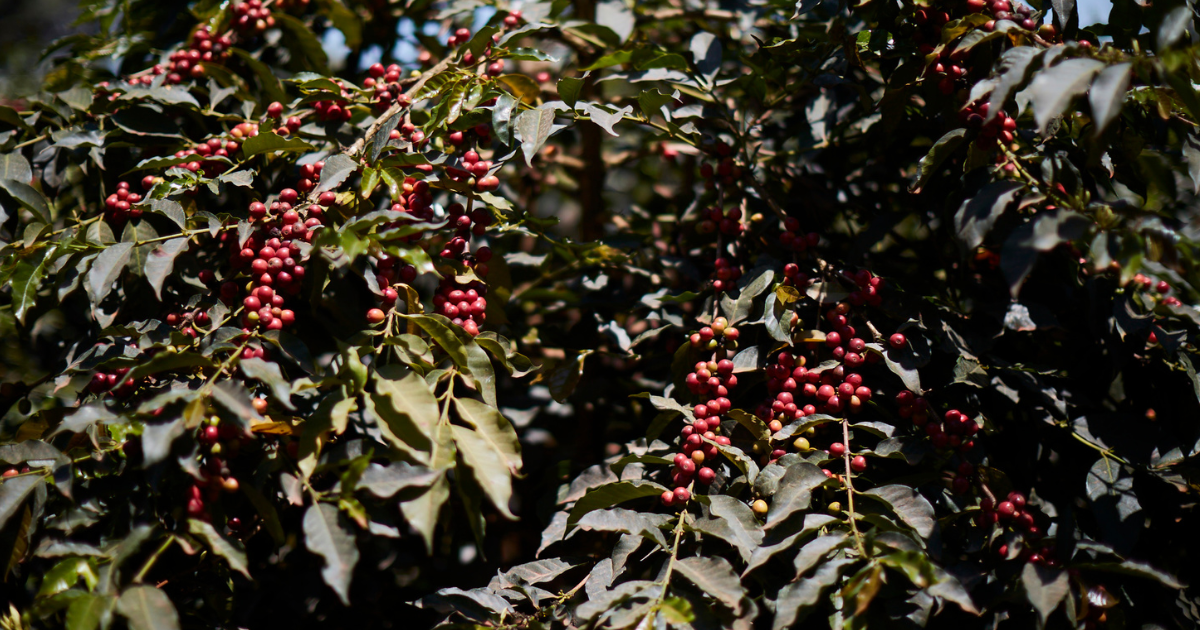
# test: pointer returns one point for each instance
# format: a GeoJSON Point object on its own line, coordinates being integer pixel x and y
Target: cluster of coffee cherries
{"type": "Point", "coordinates": [465, 224]}
{"type": "Point", "coordinates": [203, 47]}
{"type": "Point", "coordinates": [700, 446]}
{"type": "Point", "coordinates": [287, 126]}
{"type": "Point", "coordinates": [218, 440]}
{"type": "Point", "coordinates": [1022, 15]}
{"type": "Point", "coordinates": [725, 274]}
{"type": "Point", "coordinates": [723, 170]}
{"type": "Point", "coordinates": [386, 84]}
{"type": "Point", "coordinates": [929, 23]}
{"type": "Point", "coordinates": [947, 73]}
{"type": "Point", "coordinates": [793, 240]}
{"type": "Point", "coordinates": [273, 257]}
{"type": "Point", "coordinates": [113, 382]}
{"type": "Point", "coordinates": [186, 320]}
{"type": "Point", "coordinates": [867, 293]}
{"type": "Point", "coordinates": [13, 471]}
{"type": "Point", "coordinates": [1162, 287]}
{"type": "Point", "coordinates": [954, 431]}
{"type": "Point", "coordinates": [252, 17]}
{"type": "Point", "coordinates": [474, 170]}
{"type": "Point", "coordinates": [713, 380]}
{"type": "Point", "coordinates": [1011, 511]}
{"type": "Point", "coordinates": [793, 277]}
{"type": "Point", "coordinates": [998, 129]}
{"type": "Point", "coordinates": [388, 272]}
{"type": "Point", "coordinates": [728, 222]}
{"type": "Point", "coordinates": [718, 335]}
{"type": "Point", "coordinates": [337, 110]}
{"type": "Point", "coordinates": [118, 207]}
{"type": "Point", "coordinates": [464, 305]}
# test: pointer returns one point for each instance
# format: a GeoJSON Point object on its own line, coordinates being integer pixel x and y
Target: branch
{"type": "Point", "coordinates": [862, 550]}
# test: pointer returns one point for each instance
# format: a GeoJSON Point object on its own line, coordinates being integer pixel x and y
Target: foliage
{"type": "Point", "coordinates": [764, 315]}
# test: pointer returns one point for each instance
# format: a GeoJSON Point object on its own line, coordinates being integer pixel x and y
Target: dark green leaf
{"type": "Point", "coordinates": [327, 536]}
{"type": "Point", "coordinates": [220, 546]}
{"type": "Point", "coordinates": [147, 608]}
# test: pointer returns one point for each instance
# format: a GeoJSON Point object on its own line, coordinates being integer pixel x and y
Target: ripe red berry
{"type": "Point", "coordinates": [897, 340]}
{"type": "Point", "coordinates": [859, 463]}
{"type": "Point", "coordinates": [375, 316]}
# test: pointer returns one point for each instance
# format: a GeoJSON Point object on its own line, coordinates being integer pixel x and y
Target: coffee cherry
{"type": "Point", "coordinates": [897, 341]}
{"type": "Point", "coordinates": [706, 475]}
{"type": "Point", "coordinates": [375, 316]}
{"type": "Point", "coordinates": [760, 507]}
{"type": "Point", "coordinates": [668, 498]}
{"type": "Point", "coordinates": [837, 449]}
{"type": "Point", "coordinates": [858, 464]}
{"type": "Point", "coordinates": [682, 495]}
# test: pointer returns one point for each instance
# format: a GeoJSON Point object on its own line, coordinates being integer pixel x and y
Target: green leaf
{"type": "Point", "coordinates": [627, 522]}
{"type": "Point", "coordinates": [299, 38]}
{"type": "Point", "coordinates": [976, 216]}
{"type": "Point", "coordinates": [733, 522]}
{"type": "Point", "coordinates": [165, 94]}
{"type": "Point", "coordinates": [611, 494]}
{"type": "Point", "coordinates": [912, 508]}
{"type": "Point", "coordinates": [326, 536]}
{"type": "Point", "coordinates": [755, 425]}
{"type": "Point", "coordinates": [337, 169]}
{"type": "Point", "coordinates": [462, 349]}
{"type": "Point", "coordinates": [1108, 94]}
{"type": "Point", "coordinates": [494, 429]}
{"type": "Point", "coordinates": [270, 142]}
{"type": "Point", "coordinates": [147, 608]}
{"type": "Point", "coordinates": [795, 492]}
{"type": "Point", "coordinates": [1017, 63]}
{"type": "Point", "coordinates": [106, 269]}
{"type": "Point", "coordinates": [168, 208]}
{"type": "Point", "coordinates": [268, 373]}
{"type": "Point", "coordinates": [902, 363]}
{"type": "Point", "coordinates": [1134, 568]}
{"type": "Point", "coordinates": [812, 524]}
{"type": "Point", "coordinates": [942, 149]}
{"type": "Point", "coordinates": [385, 481]}
{"type": "Point", "coordinates": [1045, 588]}
{"type": "Point", "coordinates": [799, 598]}
{"type": "Point", "coordinates": [487, 465]}
{"type": "Point", "coordinates": [569, 88]}
{"type": "Point", "coordinates": [409, 395]}
{"type": "Point", "coordinates": [161, 262]}
{"type": "Point", "coordinates": [1053, 88]}
{"type": "Point", "coordinates": [28, 197]}
{"type": "Point", "coordinates": [88, 611]}
{"type": "Point", "coordinates": [220, 546]}
{"type": "Point", "coordinates": [15, 167]}
{"type": "Point", "coordinates": [422, 511]}
{"type": "Point", "coordinates": [744, 305]}
{"type": "Point", "coordinates": [481, 40]}
{"type": "Point", "coordinates": [715, 577]}
{"type": "Point", "coordinates": [27, 279]}
{"type": "Point", "coordinates": [812, 553]}
{"type": "Point", "coordinates": [522, 87]}
{"type": "Point", "coordinates": [234, 397]}
{"type": "Point", "coordinates": [268, 79]}
{"type": "Point", "coordinates": [534, 126]}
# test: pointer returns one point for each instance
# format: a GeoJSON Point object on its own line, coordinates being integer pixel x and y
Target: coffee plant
{"type": "Point", "coordinates": [603, 314]}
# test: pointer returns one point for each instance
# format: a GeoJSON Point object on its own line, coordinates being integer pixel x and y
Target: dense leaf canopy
{"type": "Point", "coordinates": [603, 314]}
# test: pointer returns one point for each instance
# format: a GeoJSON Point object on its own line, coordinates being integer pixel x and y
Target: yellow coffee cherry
{"type": "Point", "coordinates": [760, 507]}
{"type": "Point", "coordinates": [802, 445]}
{"type": "Point", "coordinates": [834, 508]}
